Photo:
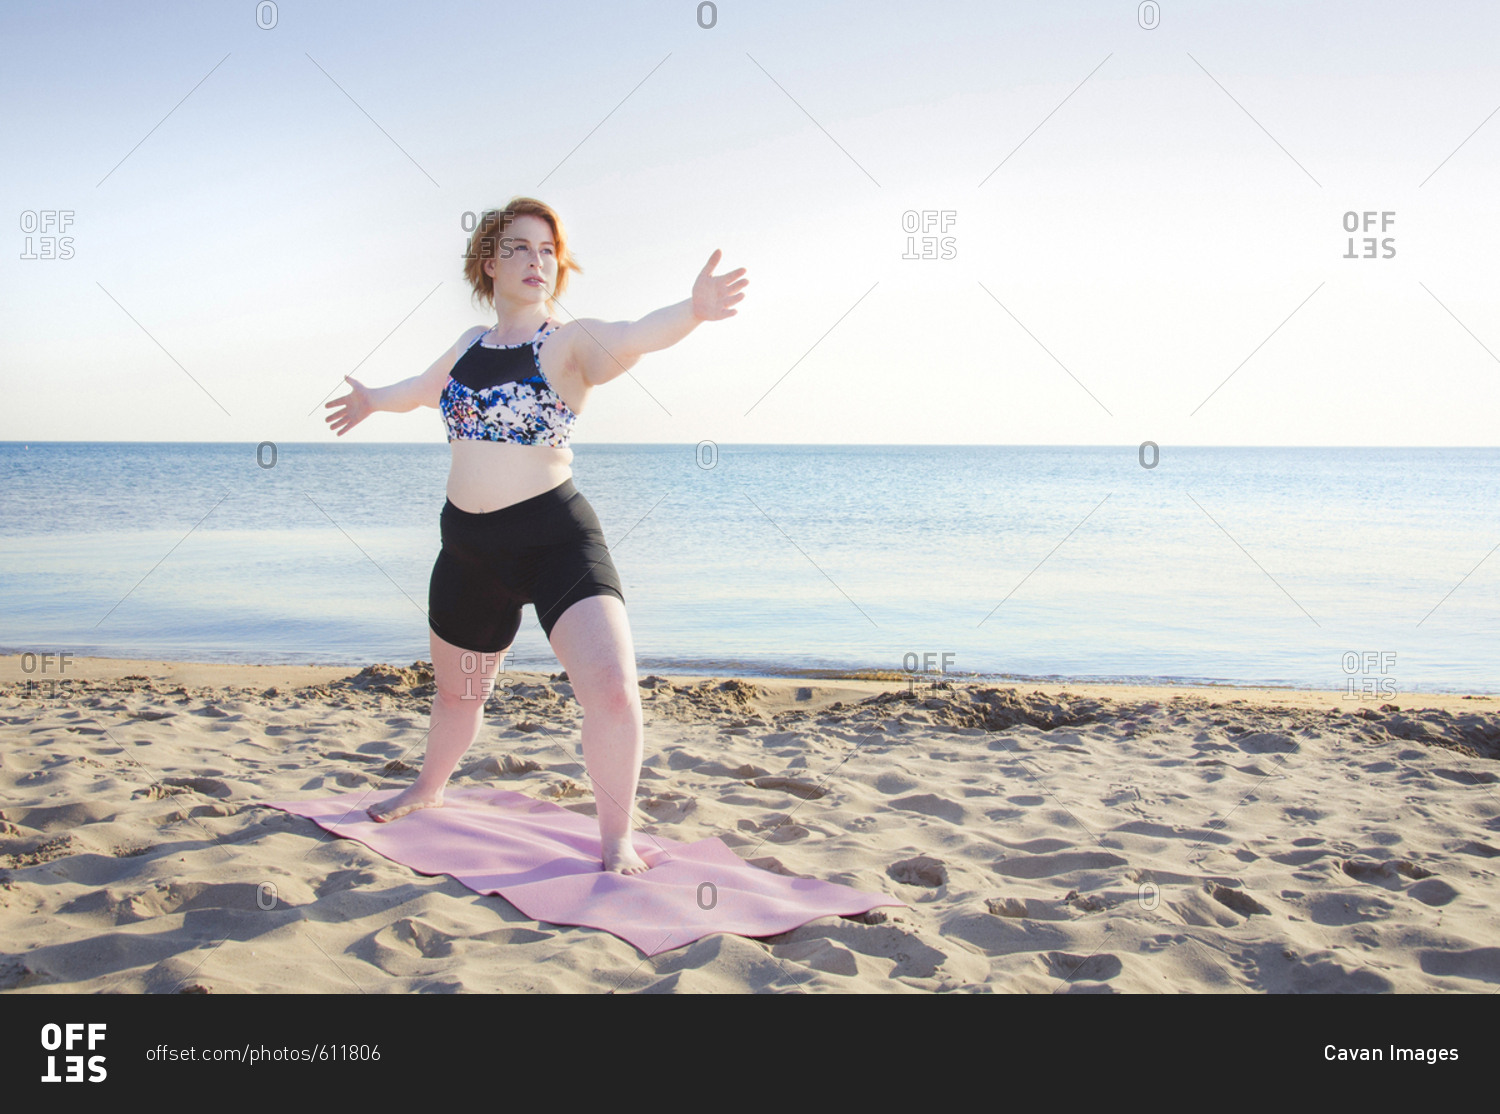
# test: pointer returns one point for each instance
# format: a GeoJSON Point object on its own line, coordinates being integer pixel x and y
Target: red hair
{"type": "Point", "coordinates": [485, 243]}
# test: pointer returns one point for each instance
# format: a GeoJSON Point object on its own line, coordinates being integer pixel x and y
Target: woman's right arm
{"type": "Point", "coordinates": [420, 390]}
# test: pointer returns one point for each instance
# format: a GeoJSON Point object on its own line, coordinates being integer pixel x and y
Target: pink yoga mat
{"type": "Point", "coordinates": [544, 860]}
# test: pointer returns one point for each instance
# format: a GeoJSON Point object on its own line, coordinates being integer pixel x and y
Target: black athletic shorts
{"type": "Point", "coordinates": [547, 551]}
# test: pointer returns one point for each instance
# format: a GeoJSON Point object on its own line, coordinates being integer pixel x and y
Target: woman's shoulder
{"type": "Point", "coordinates": [466, 340]}
{"type": "Point", "coordinates": [561, 337]}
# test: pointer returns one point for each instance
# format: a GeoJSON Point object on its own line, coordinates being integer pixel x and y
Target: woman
{"type": "Point", "coordinates": [515, 530]}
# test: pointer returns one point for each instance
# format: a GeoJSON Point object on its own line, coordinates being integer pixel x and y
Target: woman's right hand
{"type": "Point", "coordinates": [353, 407]}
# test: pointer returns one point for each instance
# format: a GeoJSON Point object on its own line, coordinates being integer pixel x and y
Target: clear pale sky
{"type": "Point", "coordinates": [1137, 214]}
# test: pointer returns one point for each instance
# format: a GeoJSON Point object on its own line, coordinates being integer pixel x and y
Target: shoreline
{"type": "Point", "coordinates": [826, 685]}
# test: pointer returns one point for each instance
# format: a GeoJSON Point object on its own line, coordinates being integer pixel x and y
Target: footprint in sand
{"type": "Point", "coordinates": [777, 829]}
{"type": "Point", "coordinates": [1475, 963]}
{"type": "Point", "coordinates": [1026, 908]}
{"type": "Point", "coordinates": [342, 880]}
{"type": "Point", "coordinates": [1267, 742]}
{"type": "Point", "coordinates": [208, 786]}
{"type": "Point", "coordinates": [1238, 900]}
{"type": "Point", "coordinates": [928, 804]}
{"type": "Point", "coordinates": [1300, 857]}
{"type": "Point", "coordinates": [923, 870]}
{"type": "Point", "coordinates": [192, 897]}
{"type": "Point", "coordinates": [158, 791]}
{"type": "Point", "coordinates": [892, 783]}
{"type": "Point", "coordinates": [1098, 967]}
{"type": "Point", "coordinates": [793, 785]}
{"type": "Point", "coordinates": [1045, 866]}
{"type": "Point", "coordinates": [1434, 892]}
{"type": "Point", "coordinates": [1466, 777]}
{"type": "Point", "coordinates": [15, 974]}
{"type": "Point", "coordinates": [1347, 908]}
{"type": "Point", "coordinates": [1387, 873]}
{"type": "Point", "coordinates": [669, 807]}
{"type": "Point", "coordinates": [1013, 907]}
{"type": "Point", "coordinates": [1308, 815]}
{"type": "Point", "coordinates": [411, 934]}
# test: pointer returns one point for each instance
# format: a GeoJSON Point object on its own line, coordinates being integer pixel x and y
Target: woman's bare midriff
{"type": "Point", "coordinates": [491, 474]}
{"type": "Point", "coordinates": [488, 475]}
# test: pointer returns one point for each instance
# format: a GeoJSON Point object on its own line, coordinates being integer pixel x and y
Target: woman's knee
{"type": "Point", "coordinates": [458, 706]}
{"type": "Point", "coordinates": [613, 694]}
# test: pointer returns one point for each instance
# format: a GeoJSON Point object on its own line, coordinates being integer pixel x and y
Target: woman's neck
{"type": "Point", "coordinates": [506, 326]}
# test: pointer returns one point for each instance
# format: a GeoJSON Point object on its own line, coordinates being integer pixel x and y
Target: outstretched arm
{"type": "Point", "coordinates": [420, 390]}
{"type": "Point", "coordinates": [606, 349]}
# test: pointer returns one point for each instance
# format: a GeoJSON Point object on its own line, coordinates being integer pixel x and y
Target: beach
{"type": "Point", "coordinates": [1041, 838]}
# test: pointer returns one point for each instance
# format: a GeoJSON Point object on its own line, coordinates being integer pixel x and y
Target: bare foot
{"type": "Point", "coordinates": [408, 800]}
{"type": "Point", "coordinates": [620, 857]}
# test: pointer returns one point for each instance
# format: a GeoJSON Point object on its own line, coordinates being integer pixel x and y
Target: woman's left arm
{"type": "Point", "coordinates": [607, 349]}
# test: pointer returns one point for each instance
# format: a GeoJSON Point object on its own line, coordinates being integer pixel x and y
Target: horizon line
{"type": "Point", "coordinates": [781, 444]}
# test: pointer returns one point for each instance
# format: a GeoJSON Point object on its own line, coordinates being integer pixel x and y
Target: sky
{"type": "Point", "coordinates": [1130, 220]}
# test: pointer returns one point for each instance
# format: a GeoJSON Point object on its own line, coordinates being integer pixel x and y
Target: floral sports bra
{"type": "Point", "coordinates": [498, 394]}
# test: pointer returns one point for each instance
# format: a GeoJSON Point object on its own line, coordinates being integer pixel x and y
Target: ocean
{"type": "Point", "coordinates": [1370, 570]}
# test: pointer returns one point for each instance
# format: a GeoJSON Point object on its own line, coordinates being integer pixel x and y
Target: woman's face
{"type": "Point", "coordinates": [526, 251]}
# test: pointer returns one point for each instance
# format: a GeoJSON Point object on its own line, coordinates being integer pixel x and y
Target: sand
{"type": "Point", "coordinates": [1045, 838]}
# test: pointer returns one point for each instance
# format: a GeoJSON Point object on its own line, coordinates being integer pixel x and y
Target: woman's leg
{"type": "Point", "coordinates": [592, 641]}
{"type": "Point", "coordinates": [464, 681]}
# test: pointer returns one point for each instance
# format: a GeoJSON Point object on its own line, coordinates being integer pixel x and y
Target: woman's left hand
{"type": "Point", "coordinates": [713, 296]}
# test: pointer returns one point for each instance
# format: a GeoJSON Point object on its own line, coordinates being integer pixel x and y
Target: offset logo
{"type": "Point", "coordinates": [1372, 668]}
{"type": "Point", "coordinates": [924, 220]}
{"type": "Point", "coordinates": [49, 222]}
{"type": "Point", "coordinates": [1352, 223]}
{"type": "Point", "coordinates": [67, 1038]}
